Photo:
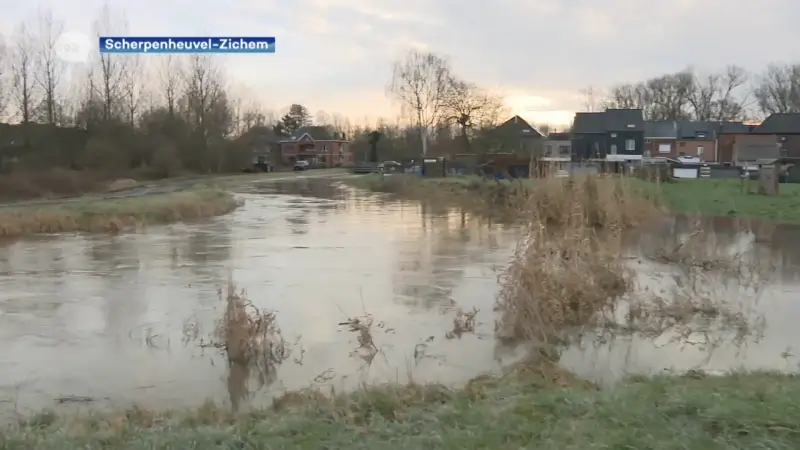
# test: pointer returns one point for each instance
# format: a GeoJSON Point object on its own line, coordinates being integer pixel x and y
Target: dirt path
{"type": "Point", "coordinates": [179, 184]}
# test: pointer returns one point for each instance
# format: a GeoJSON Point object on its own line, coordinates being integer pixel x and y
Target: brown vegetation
{"type": "Point", "coordinates": [573, 271]}
{"type": "Point", "coordinates": [114, 215]}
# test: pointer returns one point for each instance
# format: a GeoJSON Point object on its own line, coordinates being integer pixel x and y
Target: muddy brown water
{"type": "Point", "coordinates": [100, 321]}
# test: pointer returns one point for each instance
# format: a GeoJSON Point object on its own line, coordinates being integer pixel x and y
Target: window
{"type": "Point", "coordinates": [630, 145]}
{"type": "Point", "coordinates": [700, 150]}
{"type": "Point", "coordinates": [613, 149]}
{"type": "Point", "coordinates": [664, 148]}
{"type": "Point", "coordinates": [613, 134]}
{"type": "Point", "coordinates": [548, 150]}
{"type": "Point", "coordinates": [563, 150]}
{"type": "Point", "coordinates": [324, 149]}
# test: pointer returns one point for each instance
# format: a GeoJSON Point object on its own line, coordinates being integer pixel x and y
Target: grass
{"type": "Point", "coordinates": [729, 198]}
{"type": "Point", "coordinates": [543, 408]}
{"type": "Point", "coordinates": [114, 215]}
{"type": "Point", "coordinates": [702, 197]}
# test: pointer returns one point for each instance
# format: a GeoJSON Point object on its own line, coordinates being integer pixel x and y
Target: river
{"type": "Point", "coordinates": [97, 321]}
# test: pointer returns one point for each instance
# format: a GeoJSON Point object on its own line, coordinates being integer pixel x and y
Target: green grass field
{"type": "Point", "coordinates": [704, 197]}
{"type": "Point", "coordinates": [728, 198]}
{"type": "Point", "coordinates": [755, 411]}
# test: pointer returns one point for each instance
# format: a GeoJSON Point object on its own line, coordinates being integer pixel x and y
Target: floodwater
{"type": "Point", "coordinates": [100, 321]}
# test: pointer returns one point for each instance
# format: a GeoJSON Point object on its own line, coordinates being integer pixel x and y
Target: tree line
{"type": "Point", "coordinates": [732, 94]}
{"type": "Point", "coordinates": [166, 114]}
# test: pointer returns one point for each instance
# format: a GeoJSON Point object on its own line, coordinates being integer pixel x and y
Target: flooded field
{"type": "Point", "coordinates": [99, 321]}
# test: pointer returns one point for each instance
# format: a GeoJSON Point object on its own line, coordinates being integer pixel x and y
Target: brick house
{"type": "Point", "coordinates": [728, 133]}
{"type": "Point", "coordinates": [317, 145]}
{"type": "Point", "coordinates": [786, 128]}
{"type": "Point", "coordinates": [697, 140]}
{"type": "Point", "coordinates": [660, 138]}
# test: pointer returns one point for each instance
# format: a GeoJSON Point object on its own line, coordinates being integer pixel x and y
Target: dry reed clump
{"type": "Point", "coordinates": [572, 270]}
{"type": "Point", "coordinates": [614, 202]}
{"type": "Point", "coordinates": [114, 215]}
{"type": "Point", "coordinates": [250, 335]}
{"type": "Point", "coordinates": [247, 335]}
{"type": "Point", "coordinates": [559, 279]}
{"type": "Point", "coordinates": [463, 322]}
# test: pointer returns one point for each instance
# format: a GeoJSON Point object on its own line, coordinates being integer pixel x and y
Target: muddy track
{"type": "Point", "coordinates": [165, 187]}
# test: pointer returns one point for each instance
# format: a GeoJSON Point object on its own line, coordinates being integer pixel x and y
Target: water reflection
{"type": "Point", "coordinates": [112, 315]}
{"type": "Point", "coordinates": [110, 312]}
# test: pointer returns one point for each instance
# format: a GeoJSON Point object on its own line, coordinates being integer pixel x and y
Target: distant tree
{"type": "Point", "coordinates": [468, 106]}
{"type": "Point", "coordinates": [778, 89]}
{"type": "Point", "coordinates": [374, 137]}
{"type": "Point", "coordinates": [420, 82]}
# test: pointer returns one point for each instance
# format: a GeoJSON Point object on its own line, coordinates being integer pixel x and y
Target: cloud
{"type": "Point", "coordinates": [335, 55]}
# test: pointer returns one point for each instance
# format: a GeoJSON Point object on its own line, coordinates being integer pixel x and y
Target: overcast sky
{"type": "Point", "coordinates": [335, 55]}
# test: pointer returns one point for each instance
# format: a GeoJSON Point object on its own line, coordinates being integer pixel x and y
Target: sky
{"type": "Point", "coordinates": [336, 55]}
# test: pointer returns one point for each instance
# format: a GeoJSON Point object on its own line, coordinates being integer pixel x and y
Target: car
{"type": "Point", "coordinates": [301, 165]}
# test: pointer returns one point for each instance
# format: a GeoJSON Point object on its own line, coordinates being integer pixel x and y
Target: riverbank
{"type": "Point", "coordinates": [702, 197]}
{"type": "Point", "coordinates": [543, 408]}
{"type": "Point", "coordinates": [114, 215]}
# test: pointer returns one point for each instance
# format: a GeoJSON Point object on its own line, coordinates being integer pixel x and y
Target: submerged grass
{"type": "Point", "coordinates": [114, 215]}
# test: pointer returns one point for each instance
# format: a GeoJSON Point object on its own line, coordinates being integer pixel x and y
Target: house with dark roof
{"type": "Point", "coordinates": [736, 143]}
{"type": "Point", "coordinates": [697, 140]}
{"type": "Point", "coordinates": [612, 135]}
{"type": "Point", "coordinates": [318, 145]}
{"type": "Point", "coordinates": [518, 136]}
{"type": "Point", "coordinates": [660, 138]}
{"type": "Point", "coordinates": [786, 129]}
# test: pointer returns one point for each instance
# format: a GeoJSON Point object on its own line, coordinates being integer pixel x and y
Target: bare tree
{"type": "Point", "coordinates": [714, 96]}
{"type": "Point", "coordinates": [170, 81]}
{"type": "Point", "coordinates": [322, 118]}
{"type": "Point", "coordinates": [778, 89]}
{"type": "Point", "coordinates": [592, 99]}
{"type": "Point", "coordinates": [49, 69]}
{"type": "Point", "coordinates": [669, 96]}
{"type": "Point", "coordinates": [131, 88]}
{"type": "Point", "coordinates": [208, 108]}
{"type": "Point", "coordinates": [628, 96]}
{"type": "Point", "coordinates": [420, 82]}
{"type": "Point", "coordinates": [661, 98]}
{"type": "Point", "coordinates": [112, 67]}
{"type": "Point", "coordinates": [22, 73]}
{"type": "Point", "coordinates": [467, 105]}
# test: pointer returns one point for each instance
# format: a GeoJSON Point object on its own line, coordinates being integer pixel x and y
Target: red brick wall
{"type": "Point", "coordinates": [652, 145]}
{"type": "Point", "coordinates": [690, 147]}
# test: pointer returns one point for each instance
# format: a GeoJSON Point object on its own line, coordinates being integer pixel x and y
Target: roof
{"type": "Point", "coordinates": [317, 133]}
{"type": "Point", "coordinates": [697, 130]}
{"type": "Point", "coordinates": [259, 135]}
{"type": "Point", "coordinates": [660, 129]}
{"type": "Point", "coordinates": [780, 123]}
{"type": "Point", "coordinates": [608, 120]}
{"type": "Point", "coordinates": [733, 128]}
{"type": "Point", "coordinates": [558, 137]}
{"type": "Point", "coordinates": [624, 120]}
{"type": "Point", "coordinates": [519, 127]}
{"type": "Point", "coordinates": [589, 123]}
